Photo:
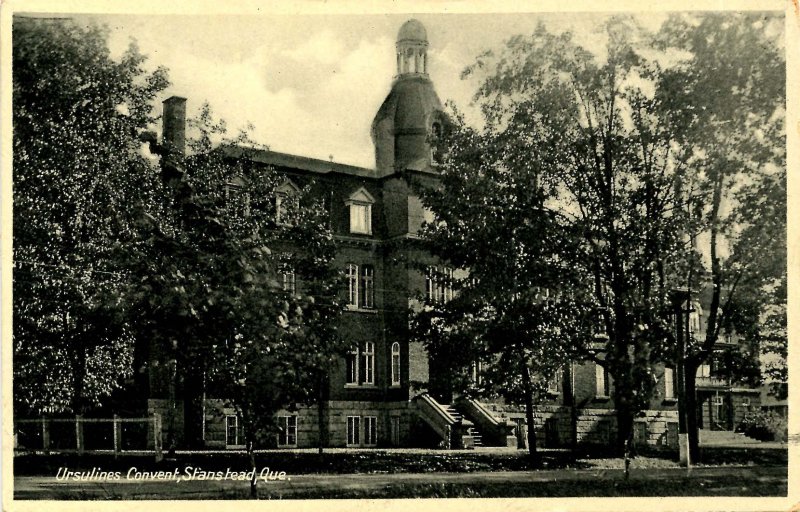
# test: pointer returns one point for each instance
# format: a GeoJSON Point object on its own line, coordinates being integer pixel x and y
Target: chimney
{"type": "Point", "coordinates": [174, 131]}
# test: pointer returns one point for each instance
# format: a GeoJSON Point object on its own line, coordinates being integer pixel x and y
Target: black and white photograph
{"type": "Point", "coordinates": [320, 251]}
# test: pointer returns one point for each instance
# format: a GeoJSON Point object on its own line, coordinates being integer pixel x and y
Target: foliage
{"type": "Point", "coordinates": [518, 308]}
{"type": "Point", "coordinates": [764, 426]}
{"type": "Point", "coordinates": [595, 130]}
{"type": "Point", "coordinates": [211, 256]}
{"type": "Point", "coordinates": [76, 112]}
{"type": "Point", "coordinates": [729, 80]}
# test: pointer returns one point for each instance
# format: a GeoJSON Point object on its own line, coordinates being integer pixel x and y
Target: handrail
{"type": "Point", "coordinates": [484, 411]}
{"type": "Point", "coordinates": [437, 407]}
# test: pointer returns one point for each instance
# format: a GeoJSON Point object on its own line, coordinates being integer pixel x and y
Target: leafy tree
{"type": "Point", "coordinates": [587, 123]}
{"type": "Point", "coordinates": [76, 113]}
{"type": "Point", "coordinates": [209, 254]}
{"type": "Point", "coordinates": [511, 251]}
{"type": "Point", "coordinates": [729, 82]}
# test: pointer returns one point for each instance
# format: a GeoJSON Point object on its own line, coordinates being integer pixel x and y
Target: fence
{"type": "Point", "coordinates": [120, 436]}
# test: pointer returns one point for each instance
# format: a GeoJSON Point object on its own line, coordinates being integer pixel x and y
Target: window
{"type": "Point", "coordinates": [237, 201]}
{"type": "Point", "coordinates": [287, 275]}
{"type": "Point", "coordinates": [285, 201]}
{"type": "Point", "coordinates": [370, 430]}
{"type": "Point", "coordinates": [554, 384]}
{"type": "Point", "coordinates": [395, 364]}
{"type": "Point", "coordinates": [439, 284]}
{"type": "Point", "coordinates": [288, 433]}
{"type": "Point", "coordinates": [353, 433]}
{"type": "Point", "coordinates": [352, 283]}
{"type": "Point", "coordinates": [640, 433]}
{"type": "Point", "coordinates": [476, 372]}
{"type": "Point", "coordinates": [369, 363]}
{"type": "Point", "coordinates": [602, 384]}
{"type": "Point", "coordinates": [704, 370]}
{"type": "Point", "coordinates": [361, 365]}
{"type": "Point", "coordinates": [352, 367]}
{"type": "Point", "coordinates": [360, 204]}
{"type": "Point", "coordinates": [234, 433]}
{"type": "Point", "coordinates": [669, 383]}
{"type": "Point", "coordinates": [746, 402]}
{"type": "Point", "coordinates": [367, 287]}
{"type": "Point", "coordinates": [436, 139]}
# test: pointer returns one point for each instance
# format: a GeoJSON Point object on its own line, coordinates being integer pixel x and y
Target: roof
{"type": "Point", "coordinates": [303, 163]}
{"type": "Point", "coordinates": [412, 30]}
{"type": "Point", "coordinates": [410, 104]}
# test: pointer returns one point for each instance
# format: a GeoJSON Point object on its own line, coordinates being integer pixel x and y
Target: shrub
{"type": "Point", "coordinates": [764, 426]}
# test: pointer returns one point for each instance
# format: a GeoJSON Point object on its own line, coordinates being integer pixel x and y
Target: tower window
{"type": "Point", "coordinates": [439, 284]}
{"type": "Point", "coordinates": [436, 137]}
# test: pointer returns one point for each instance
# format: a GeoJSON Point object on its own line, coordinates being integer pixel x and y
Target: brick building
{"type": "Point", "coordinates": [375, 217]}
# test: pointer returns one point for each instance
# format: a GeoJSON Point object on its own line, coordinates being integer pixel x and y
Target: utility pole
{"type": "Point", "coordinates": [679, 297]}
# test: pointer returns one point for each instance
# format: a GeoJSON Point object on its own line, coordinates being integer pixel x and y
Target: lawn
{"type": "Point", "coordinates": [390, 461]}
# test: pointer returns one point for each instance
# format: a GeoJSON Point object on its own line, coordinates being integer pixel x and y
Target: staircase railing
{"type": "Point", "coordinates": [495, 431]}
{"type": "Point", "coordinates": [436, 416]}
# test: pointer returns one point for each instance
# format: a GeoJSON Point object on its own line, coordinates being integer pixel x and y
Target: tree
{"type": "Point", "coordinates": [587, 123]}
{"type": "Point", "coordinates": [730, 84]}
{"type": "Point", "coordinates": [213, 246]}
{"type": "Point", "coordinates": [76, 156]}
{"type": "Point", "coordinates": [517, 306]}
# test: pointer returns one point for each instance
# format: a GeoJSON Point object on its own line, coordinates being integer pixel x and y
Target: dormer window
{"type": "Point", "coordinates": [360, 204]}
{"type": "Point", "coordinates": [285, 200]}
{"type": "Point", "coordinates": [237, 199]}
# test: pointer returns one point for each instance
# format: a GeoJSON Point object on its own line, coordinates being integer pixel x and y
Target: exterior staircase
{"type": "Point", "coordinates": [473, 432]}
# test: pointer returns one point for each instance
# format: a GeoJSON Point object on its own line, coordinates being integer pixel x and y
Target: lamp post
{"type": "Point", "coordinates": [680, 296]}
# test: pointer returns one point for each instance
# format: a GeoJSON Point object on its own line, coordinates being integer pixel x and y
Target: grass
{"type": "Point", "coordinates": [386, 461]}
{"type": "Point", "coordinates": [607, 485]}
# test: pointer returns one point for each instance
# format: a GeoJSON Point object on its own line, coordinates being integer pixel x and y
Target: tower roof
{"type": "Point", "coordinates": [412, 30]}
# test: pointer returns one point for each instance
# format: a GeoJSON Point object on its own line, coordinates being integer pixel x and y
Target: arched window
{"type": "Point", "coordinates": [395, 364]}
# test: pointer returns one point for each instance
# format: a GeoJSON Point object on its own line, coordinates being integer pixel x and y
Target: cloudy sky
{"type": "Point", "coordinates": [311, 84]}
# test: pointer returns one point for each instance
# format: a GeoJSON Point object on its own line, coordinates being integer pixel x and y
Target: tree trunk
{"type": "Point", "coordinates": [624, 428]}
{"type": "Point", "coordinates": [529, 419]}
{"type": "Point", "coordinates": [193, 407]}
{"type": "Point", "coordinates": [251, 456]}
{"type": "Point", "coordinates": [691, 412]}
{"type": "Point", "coordinates": [322, 439]}
{"type": "Point", "coordinates": [78, 379]}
